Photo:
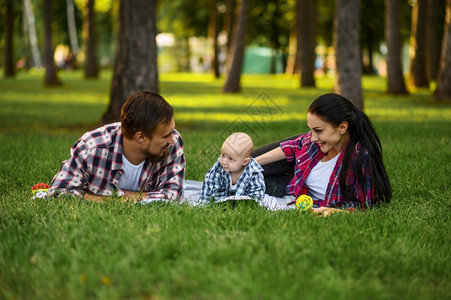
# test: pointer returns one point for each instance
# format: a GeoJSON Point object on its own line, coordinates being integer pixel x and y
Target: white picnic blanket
{"type": "Point", "coordinates": [192, 191]}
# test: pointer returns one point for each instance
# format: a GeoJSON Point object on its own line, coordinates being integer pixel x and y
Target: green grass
{"type": "Point", "coordinates": [68, 248]}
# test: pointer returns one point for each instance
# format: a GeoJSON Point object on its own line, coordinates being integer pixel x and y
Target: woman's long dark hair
{"type": "Point", "coordinates": [334, 109]}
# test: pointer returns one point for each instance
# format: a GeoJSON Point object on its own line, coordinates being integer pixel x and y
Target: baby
{"type": "Point", "coordinates": [235, 173]}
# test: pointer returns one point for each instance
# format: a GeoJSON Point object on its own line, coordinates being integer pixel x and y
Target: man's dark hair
{"type": "Point", "coordinates": [144, 111]}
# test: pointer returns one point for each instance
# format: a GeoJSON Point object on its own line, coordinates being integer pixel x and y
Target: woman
{"type": "Point", "coordinates": [338, 163]}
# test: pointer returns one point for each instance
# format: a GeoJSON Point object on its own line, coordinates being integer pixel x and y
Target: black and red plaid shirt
{"type": "Point", "coordinates": [307, 154]}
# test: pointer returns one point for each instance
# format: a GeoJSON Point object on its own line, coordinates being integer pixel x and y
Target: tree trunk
{"type": "Point", "coordinates": [274, 36]}
{"type": "Point", "coordinates": [135, 64]}
{"type": "Point", "coordinates": [443, 91]}
{"type": "Point", "coordinates": [432, 40]}
{"type": "Point", "coordinates": [91, 66]}
{"type": "Point", "coordinates": [50, 70]}
{"type": "Point", "coordinates": [27, 59]}
{"type": "Point", "coordinates": [368, 67]}
{"type": "Point", "coordinates": [347, 80]}
{"type": "Point", "coordinates": [326, 60]}
{"type": "Point", "coordinates": [292, 54]}
{"type": "Point", "coordinates": [213, 30]}
{"type": "Point", "coordinates": [306, 40]}
{"type": "Point", "coordinates": [228, 22]}
{"type": "Point", "coordinates": [32, 32]}
{"type": "Point", "coordinates": [236, 55]}
{"type": "Point", "coordinates": [418, 75]}
{"type": "Point", "coordinates": [9, 70]}
{"type": "Point", "coordinates": [395, 77]}
{"type": "Point", "coordinates": [72, 31]}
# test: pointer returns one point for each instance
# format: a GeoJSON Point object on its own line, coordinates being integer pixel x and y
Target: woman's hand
{"type": "Point", "coordinates": [326, 211]}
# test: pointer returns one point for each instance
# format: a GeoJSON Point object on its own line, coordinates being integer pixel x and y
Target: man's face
{"type": "Point", "coordinates": [156, 147]}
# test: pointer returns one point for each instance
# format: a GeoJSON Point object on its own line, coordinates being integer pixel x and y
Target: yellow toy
{"type": "Point", "coordinates": [304, 202]}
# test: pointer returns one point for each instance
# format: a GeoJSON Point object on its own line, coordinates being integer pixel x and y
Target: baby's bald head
{"type": "Point", "coordinates": [240, 143]}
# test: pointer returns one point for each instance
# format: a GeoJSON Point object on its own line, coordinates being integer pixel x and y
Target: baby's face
{"type": "Point", "coordinates": [230, 160]}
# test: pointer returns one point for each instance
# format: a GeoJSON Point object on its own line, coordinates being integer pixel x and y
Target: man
{"type": "Point", "coordinates": [140, 157]}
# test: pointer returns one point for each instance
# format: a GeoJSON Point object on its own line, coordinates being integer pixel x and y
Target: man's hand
{"type": "Point", "coordinates": [133, 197]}
{"type": "Point", "coordinates": [129, 196]}
{"type": "Point", "coordinates": [94, 198]}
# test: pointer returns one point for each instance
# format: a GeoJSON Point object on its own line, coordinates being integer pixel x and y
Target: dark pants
{"type": "Point", "coordinates": [277, 174]}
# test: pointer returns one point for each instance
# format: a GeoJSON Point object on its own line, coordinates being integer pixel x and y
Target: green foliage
{"type": "Point", "coordinates": [184, 18]}
{"type": "Point", "coordinates": [326, 11]}
{"type": "Point", "coordinates": [271, 22]}
{"type": "Point", "coordinates": [372, 26]}
{"type": "Point", "coordinates": [72, 249]}
{"type": "Point", "coordinates": [101, 6]}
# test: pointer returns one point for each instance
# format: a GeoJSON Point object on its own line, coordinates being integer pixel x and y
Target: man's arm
{"type": "Point", "coordinates": [129, 196]}
{"type": "Point", "coordinates": [72, 178]}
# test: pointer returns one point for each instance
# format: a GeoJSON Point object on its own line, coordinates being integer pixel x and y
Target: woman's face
{"type": "Point", "coordinates": [330, 138]}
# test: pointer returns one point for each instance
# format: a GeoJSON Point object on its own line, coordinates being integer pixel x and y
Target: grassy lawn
{"type": "Point", "coordinates": [68, 248]}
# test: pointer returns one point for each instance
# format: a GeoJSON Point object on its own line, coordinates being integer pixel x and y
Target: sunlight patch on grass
{"type": "Point", "coordinates": [227, 101]}
{"type": "Point", "coordinates": [412, 114]}
{"type": "Point", "coordinates": [375, 114]}
{"type": "Point", "coordinates": [198, 97]}
{"type": "Point", "coordinates": [49, 98]}
{"type": "Point", "coordinates": [186, 77]}
{"type": "Point", "coordinates": [229, 117]}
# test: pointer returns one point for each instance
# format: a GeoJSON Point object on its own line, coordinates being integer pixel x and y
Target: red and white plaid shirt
{"type": "Point", "coordinates": [308, 154]}
{"type": "Point", "coordinates": [96, 166]}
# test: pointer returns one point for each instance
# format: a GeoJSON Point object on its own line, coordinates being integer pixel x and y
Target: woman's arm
{"type": "Point", "coordinates": [271, 156]}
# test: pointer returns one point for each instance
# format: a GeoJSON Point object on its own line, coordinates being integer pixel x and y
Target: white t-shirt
{"type": "Point", "coordinates": [129, 180]}
{"type": "Point", "coordinates": [318, 178]}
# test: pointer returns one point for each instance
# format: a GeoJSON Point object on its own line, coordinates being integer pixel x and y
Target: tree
{"type": "Point", "coordinates": [236, 55]}
{"type": "Point", "coordinates": [30, 20]}
{"type": "Point", "coordinates": [292, 60]}
{"type": "Point", "coordinates": [270, 24]}
{"type": "Point", "coordinates": [91, 65]}
{"type": "Point", "coordinates": [213, 30]}
{"type": "Point", "coordinates": [432, 39]}
{"type": "Point", "coordinates": [325, 20]}
{"type": "Point", "coordinates": [229, 19]}
{"type": "Point", "coordinates": [50, 78]}
{"type": "Point", "coordinates": [418, 74]}
{"type": "Point", "coordinates": [443, 90]}
{"type": "Point", "coordinates": [347, 80]}
{"type": "Point", "coordinates": [135, 64]}
{"type": "Point", "coordinates": [306, 40]}
{"type": "Point", "coordinates": [9, 70]}
{"type": "Point", "coordinates": [184, 19]}
{"type": "Point", "coordinates": [395, 77]}
{"type": "Point", "coordinates": [274, 33]}
{"type": "Point", "coordinates": [371, 32]}
{"type": "Point", "coordinates": [70, 10]}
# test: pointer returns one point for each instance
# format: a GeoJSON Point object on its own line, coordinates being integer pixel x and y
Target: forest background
{"type": "Point", "coordinates": [344, 39]}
